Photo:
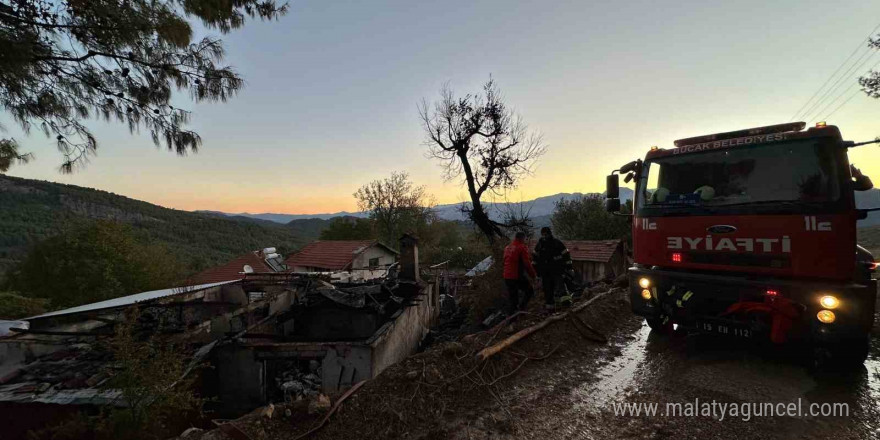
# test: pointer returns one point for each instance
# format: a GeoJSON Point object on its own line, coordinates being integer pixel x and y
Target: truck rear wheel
{"type": "Point", "coordinates": [847, 354]}
{"type": "Point", "coordinates": [658, 325]}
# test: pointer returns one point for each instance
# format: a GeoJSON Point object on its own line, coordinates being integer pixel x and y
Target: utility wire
{"type": "Point", "coordinates": [819, 104]}
{"type": "Point", "coordinates": [842, 104]}
{"type": "Point", "coordinates": [851, 96]}
{"type": "Point", "coordinates": [835, 72]}
{"type": "Point", "coordinates": [844, 91]}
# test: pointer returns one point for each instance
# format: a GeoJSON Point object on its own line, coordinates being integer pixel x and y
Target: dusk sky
{"type": "Point", "coordinates": [332, 89]}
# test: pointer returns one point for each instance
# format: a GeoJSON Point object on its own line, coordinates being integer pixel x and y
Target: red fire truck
{"type": "Point", "coordinates": [752, 234]}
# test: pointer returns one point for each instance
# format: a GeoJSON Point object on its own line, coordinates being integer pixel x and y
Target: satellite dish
{"type": "Point", "coordinates": [248, 269]}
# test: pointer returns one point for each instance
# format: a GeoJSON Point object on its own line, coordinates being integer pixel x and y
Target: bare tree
{"type": "Point", "coordinates": [395, 205]}
{"type": "Point", "coordinates": [479, 138]}
{"type": "Point", "coordinates": [517, 217]}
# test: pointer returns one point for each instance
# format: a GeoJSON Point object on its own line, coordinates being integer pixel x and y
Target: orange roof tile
{"type": "Point", "coordinates": [231, 270]}
{"type": "Point", "coordinates": [592, 250]}
{"type": "Point", "coordinates": [330, 254]}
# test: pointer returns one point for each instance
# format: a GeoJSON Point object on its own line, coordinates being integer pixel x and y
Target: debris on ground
{"type": "Point", "coordinates": [319, 405]}
{"type": "Point", "coordinates": [447, 389]}
{"type": "Point", "coordinates": [268, 411]}
{"type": "Point", "coordinates": [488, 352]}
{"type": "Point", "coordinates": [192, 432]}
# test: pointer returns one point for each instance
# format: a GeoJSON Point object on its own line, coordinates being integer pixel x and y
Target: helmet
{"type": "Point", "coordinates": [706, 192]}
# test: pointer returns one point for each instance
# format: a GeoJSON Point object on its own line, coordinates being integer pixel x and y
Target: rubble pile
{"type": "Point", "coordinates": [77, 367]}
{"type": "Point", "coordinates": [296, 384]}
{"type": "Point", "coordinates": [445, 390]}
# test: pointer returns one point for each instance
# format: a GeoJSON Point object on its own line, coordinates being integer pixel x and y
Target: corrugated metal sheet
{"type": "Point", "coordinates": [87, 396]}
{"type": "Point", "coordinates": [131, 299]}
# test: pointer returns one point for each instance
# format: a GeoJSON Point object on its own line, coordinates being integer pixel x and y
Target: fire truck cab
{"type": "Point", "coordinates": [752, 234]}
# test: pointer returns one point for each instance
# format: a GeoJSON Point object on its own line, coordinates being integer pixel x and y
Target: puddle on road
{"type": "Point", "coordinates": [870, 395]}
{"type": "Point", "coordinates": [757, 376]}
{"type": "Point", "coordinates": [617, 377]}
{"type": "Point", "coordinates": [873, 390]}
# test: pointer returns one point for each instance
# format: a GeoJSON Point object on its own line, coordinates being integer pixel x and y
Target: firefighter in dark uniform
{"type": "Point", "coordinates": [552, 259]}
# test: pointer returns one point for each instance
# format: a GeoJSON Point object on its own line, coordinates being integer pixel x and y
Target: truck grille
{"type": "Point", "coordinates": [774, 261]}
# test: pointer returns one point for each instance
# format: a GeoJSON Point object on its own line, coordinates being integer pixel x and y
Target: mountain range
{"type": "Point", "coordinates": [540, 207]}
{"type": "Point", "coordinates": [537, 209]}
{"type": "Point", "coordinates": [32, 210]}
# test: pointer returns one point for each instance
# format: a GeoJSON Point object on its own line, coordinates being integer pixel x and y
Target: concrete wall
{"type": "Point", "coordinates": [401, 336]}
{"type": "Point", "coordinates": [344, 366]}
{"type": "Point", "coordinates": [305, 269]}
{"type": "Point", "coordinates": [385, 257]}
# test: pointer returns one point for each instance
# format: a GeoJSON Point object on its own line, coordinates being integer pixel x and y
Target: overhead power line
{"type": "Point", "coordinates": [823, 102]}
{"type": "Point", "coordinates": [816, 93]}
{"type": "Point", "coordinates": [827, 104]}
{"type": "Point", "coordinates": [851, 96]}
{"type": "Point", "coordinates": [841, 105]}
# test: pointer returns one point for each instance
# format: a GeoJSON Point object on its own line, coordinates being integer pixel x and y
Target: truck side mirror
{"type": "Point", "coordinates": [612, 205]}
{"type": "Point", "coordinates": [612, 186]}
{"type": "Point", "coordinates": [630, 167]}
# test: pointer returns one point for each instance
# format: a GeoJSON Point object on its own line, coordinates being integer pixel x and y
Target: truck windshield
{"type": "Point", "coordinates": [803, 171]}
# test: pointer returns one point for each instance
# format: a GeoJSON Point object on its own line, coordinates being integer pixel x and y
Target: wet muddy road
{"type": "Point", "coordinates": [574, 387]}
{"type": "Point", "coordinates": [578, 398]}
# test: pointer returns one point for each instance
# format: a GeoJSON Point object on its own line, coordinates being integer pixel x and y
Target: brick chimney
{"type": "Point", "coordinates": [409, 258]}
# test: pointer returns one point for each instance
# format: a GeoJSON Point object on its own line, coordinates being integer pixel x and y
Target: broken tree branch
{"type": "Point", "coordinates": [501, 325]}
{"type": "Point", "coordinates": [488, 352]}
{"type": "Point", "coordinates": [526, 359]}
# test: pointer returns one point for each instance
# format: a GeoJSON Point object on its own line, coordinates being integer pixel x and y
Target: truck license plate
{"type": "Point", "coordinates": [726, 328]}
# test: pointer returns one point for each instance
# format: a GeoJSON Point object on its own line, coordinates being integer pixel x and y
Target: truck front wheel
{"type": "Point", "coordinates": [846, 354]}
{"type": "Point", "coordinates": [660, 325]}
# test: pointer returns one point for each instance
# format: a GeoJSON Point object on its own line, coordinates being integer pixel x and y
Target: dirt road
{"type": "Point", "coordinates": [644, 368]}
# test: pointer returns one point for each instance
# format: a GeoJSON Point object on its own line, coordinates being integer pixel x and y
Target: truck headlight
{"type": "Point", "coordinates": [825, 316]}
{"type": "Point", "coordinates": [644, 283]}
{"type": "Point", "coordinates": [646, 294]}
{"type": "Point", "coordinates": [829, 302]}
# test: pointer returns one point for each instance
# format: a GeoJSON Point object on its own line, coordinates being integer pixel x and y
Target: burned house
{"type": "Point", "coordinates": [362, 259]}
{"type": "Point", "coordinates": [303, 336]}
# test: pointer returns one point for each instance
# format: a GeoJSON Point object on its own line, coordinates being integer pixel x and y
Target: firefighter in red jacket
{"type": "Point", "coordinates": [518, 273]}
